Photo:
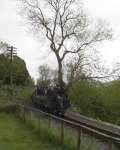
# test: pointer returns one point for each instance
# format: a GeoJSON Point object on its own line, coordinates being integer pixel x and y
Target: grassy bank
{"type": "Point", "coordinates": [20, 93]}
{"type": "Point", "coordinates": [16, 135]}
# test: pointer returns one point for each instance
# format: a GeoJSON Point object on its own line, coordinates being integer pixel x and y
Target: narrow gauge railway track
{"type": "Point", "coordinates": [89, 126]}
{"type": "Point", "coordinates": [64, 127]}
{"type": "Point", "coordinates": [103, 127]}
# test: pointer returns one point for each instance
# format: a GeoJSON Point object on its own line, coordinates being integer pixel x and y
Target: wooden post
{"type": "Point", "coordinates": [39, 123]}
{"type": "Point", "coordinates": [11, 52]}
{"type": "Point", "coordinates": [11, 74]}
{"type": "Point", "coordinates": [24, 113]}
{"type": "Point", "coordinates": [79, 138]}
{"type": "Point", "coordinates": [49, 121]}
{"type": "Point", "coordinates": [62, 132]}
{"type": "Point", "coordinates": [110, 145]}
{"type": "Point", "coordinates": [30, 116]}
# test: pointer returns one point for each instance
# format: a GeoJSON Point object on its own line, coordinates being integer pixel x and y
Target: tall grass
{"type": "Point", "coordinates": [14, 135]}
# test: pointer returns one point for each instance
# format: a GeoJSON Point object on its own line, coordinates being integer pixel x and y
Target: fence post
{"type": "Point", "coordinates": [39, 123]}
{"type": "Point", "coordinates": [30, 116]}
{"type": "Point", "coordinates": [110, 145]}
{"type": "Point", "coordinates": [17, 111]}
{"type": "Point", "coordinates": [79, 138]}
{"type": "Point", "coordinates": [24, 113]}
{"type": "Point", "coordinates": [49, 121]}
{"type": "Point", "coordinates": [62, 132]}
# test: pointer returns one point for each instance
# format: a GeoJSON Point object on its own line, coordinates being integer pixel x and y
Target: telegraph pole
{"type": "Point", "coordinates": [11, 52]}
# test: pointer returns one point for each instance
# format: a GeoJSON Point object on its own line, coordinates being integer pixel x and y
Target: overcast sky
{"type": "Point", "coordinates": [14, 32]}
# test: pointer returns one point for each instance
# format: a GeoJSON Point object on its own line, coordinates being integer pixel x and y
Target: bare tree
{"type": "Point", "coordinates": [44, 76]}
{"type": "Point", "coordinates": [75, 69]}
{"type": "Point", "coordinates": [85, 68]}
{"type": "Point", "coordinates": [3, 47]}
{"type": "Point", "coordinates": [66, 26]}
{"type": "Point", "coordinates": [47, 76]}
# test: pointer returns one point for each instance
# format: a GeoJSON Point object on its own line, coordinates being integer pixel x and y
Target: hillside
{"type": "Point", "coordinates": [22, 86]}
{"type": "Point", "coordinates": [18, 68]}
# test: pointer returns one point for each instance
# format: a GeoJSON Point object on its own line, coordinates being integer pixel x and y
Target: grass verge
{"type": "Point", "coordinates": [14, 135]}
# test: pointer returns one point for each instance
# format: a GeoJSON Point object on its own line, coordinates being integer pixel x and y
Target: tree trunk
{"type": "Point", "coordinates": [60, 72]}
{"type": "Point", "coordinates": [60, 75]}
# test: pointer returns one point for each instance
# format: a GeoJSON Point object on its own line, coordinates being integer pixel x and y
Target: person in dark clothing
{"type": "Point", "coordinates": [40, 90]}
{"type": "Point", "coordinates": [49, 91]}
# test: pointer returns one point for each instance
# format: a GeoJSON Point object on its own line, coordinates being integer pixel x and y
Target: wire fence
{"type": "Point", "coordinates": [66, 131]}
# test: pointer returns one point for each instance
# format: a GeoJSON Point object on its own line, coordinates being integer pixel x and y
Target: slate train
{"type": "Point", "coordinates": [52, 100]}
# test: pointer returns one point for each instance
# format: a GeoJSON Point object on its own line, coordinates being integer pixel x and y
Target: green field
{"type": "Point", "coordinates": [15, 135]}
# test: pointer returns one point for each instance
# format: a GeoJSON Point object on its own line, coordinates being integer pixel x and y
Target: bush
{"type": "Point", "coordinates": [19, 71]}
{"type": "Point", "coordinates": [96, 100]}
{"type": "Point", "coordinates": [20, 94]}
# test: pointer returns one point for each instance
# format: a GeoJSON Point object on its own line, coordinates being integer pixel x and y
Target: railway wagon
{"type": "Point", "coordinates": [52, 101]}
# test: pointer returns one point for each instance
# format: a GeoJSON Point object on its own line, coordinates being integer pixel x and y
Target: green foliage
{"type": "Point", "coordinates": [23, 93]}
{"type": "Point", "coordinates": [111, 98]}
{"type": "Point", "coordinates": [85, 96]}
{"type": "Point", "coordinates": [20, 93]}
{"type": "Point", "coordinates": [18, 69]}
{"type": "Point", "coordinates": [101, 101]}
